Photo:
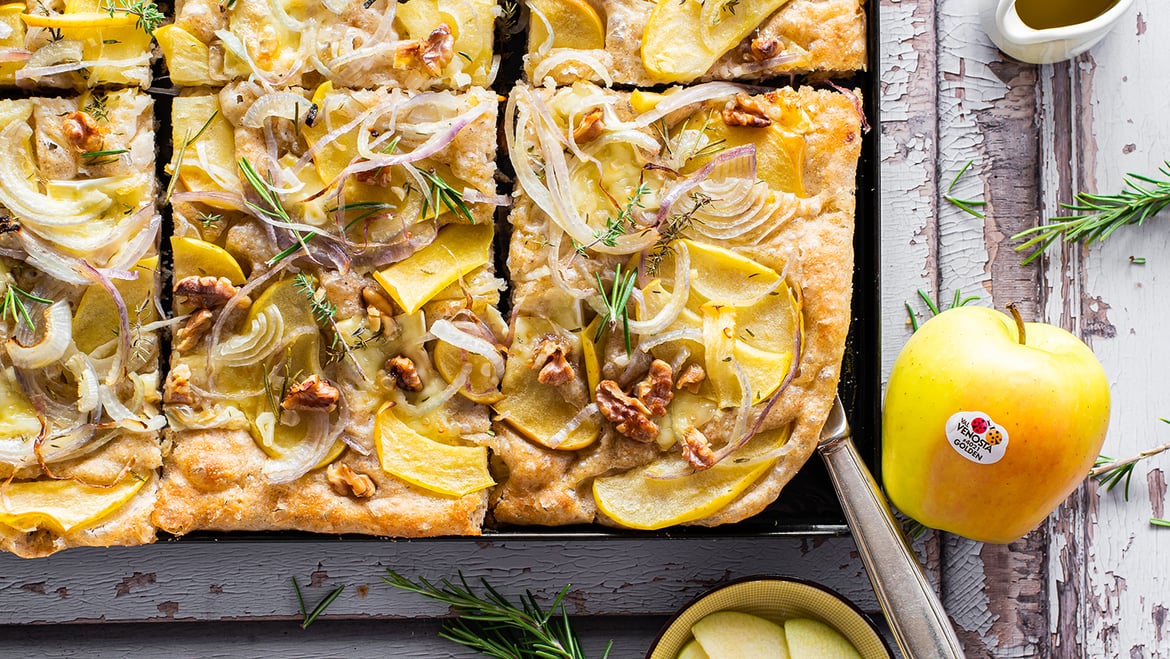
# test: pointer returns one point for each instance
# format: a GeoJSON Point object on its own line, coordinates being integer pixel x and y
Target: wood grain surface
{"type": "Point", "coordinates": [1091, 582]}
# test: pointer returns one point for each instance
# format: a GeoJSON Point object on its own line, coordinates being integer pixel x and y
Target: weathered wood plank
{"type": "Point", "coordinates": [233, 580]}
{"type": "Point", "coordinates": [1110, 585]}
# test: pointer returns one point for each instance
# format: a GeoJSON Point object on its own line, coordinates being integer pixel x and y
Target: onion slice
{"type": "Point", "coordinates": [285, 105]}
{"type": "Point", "coordinates": [444, 330]}
{"type": "Point", "coordinates": [559, 437]}
{"type": "Point", "coordinates": [678, 295]}
{"type": "Point", "coordinates": [308, 453]}
{"type": "Point", "coordinates": [57, 338]}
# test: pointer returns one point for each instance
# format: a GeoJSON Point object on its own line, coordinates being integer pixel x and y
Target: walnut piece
{"type": "Point", "coordinates": [404, 373]}
{"type": "Point", "coordinates": [347, 482]}
{"type": "Point", "coordinates": [629, 415]}
{"type": "Point", "coordinates": [313, 394]}
{"type": "Point", "coordinates": [82, 132]}
{"type": "Point", "coordinates": [744, 111]}
{"type": "Point", "coordinates": [433, 54]}
{"type": "Point", "coordinates": [207, 292]}
{"type": "Point", "coordinates": [188, 336]}
{"type": "Point", "coordinates": [372, 297]}
{"type": "Point", "coordinates": [177, 388]}
{"type": "Point", "coordinates": [590, 128]}
{"type": "Point", "coordinates": [657, 390]}
{"type": "Point", "coordinates": [549, 359]}
{"type": "Point", "coordinates": [692, 376]}
{"type": "Point", "coordinates": [697, 450]}
{"type": "Point", "coordinates": [763, 48]}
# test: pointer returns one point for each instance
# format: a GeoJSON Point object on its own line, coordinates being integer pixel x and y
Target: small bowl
{"type": "Point", "coordinates": [776, 599]}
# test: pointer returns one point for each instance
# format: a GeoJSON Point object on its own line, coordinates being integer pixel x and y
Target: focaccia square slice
{"type": "Point", "coordinates": [79, 370]}
{"type": "Point", "coordinates": [419, 44]}
{"type": "Point", "coordinates": [681, 266]}
{"type": "Point", "coordinates": [77, 44]}
{"type": "Point", "coordinates": [333, 270]}
{"type": "Point", "coordinates": [649, 42]}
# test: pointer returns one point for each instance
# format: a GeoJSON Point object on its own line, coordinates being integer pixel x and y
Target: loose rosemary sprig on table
{"type": "Point", "coordinates": [489, 623]}
{"type": "Point", "coordinates": [617, 301]}
{"type": "Point", "coordinates": [966, 205]}
{"type": "Point", "coordinates": [1098, 216]}
{"type": "Point", "coordinates": [307, 617]}
{"type": "Point", "coordinates": [933, 307]}
{"type": "Point", "coordinates": [1109, 472]}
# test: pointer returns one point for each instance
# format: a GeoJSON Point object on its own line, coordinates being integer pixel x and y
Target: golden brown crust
{"type": "Point", "coordinates": [831, 32]}
{"type": "Point", "coordinates": [814, 246]}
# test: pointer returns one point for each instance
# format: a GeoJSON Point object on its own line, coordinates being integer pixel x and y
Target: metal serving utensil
{"type": "Point", "coordinates": [920, 625]}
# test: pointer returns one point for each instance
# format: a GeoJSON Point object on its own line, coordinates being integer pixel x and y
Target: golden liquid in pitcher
{"type": "Point", "coordinates": [1046, 14]}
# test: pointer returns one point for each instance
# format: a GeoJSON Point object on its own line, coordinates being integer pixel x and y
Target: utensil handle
{"type": "Point", "coordinates": [921, 627]}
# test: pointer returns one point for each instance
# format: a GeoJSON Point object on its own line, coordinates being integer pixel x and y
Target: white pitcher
{"type": "Point", "coordinates": [1028, 44]}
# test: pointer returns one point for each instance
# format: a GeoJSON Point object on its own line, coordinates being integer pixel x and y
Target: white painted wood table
{"type": "Point", "coordinates": [1088, 583]}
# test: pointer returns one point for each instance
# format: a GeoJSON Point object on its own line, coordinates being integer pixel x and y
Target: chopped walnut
{"type": "Point", "coordinates": [207, 292]}
{"type": "Point", "coordinates": [697, 450]}
{"type": "Point", "coordinates": [657, 390]}
{"type": "Point", "coordinates": [629, 415]}
{"type": "Point", "coordinates": [404, 373]}
{"type": "Point", "coordinates": [763, 48]}
{"type": "Point", "coordinates": [347, 482]}
{"type": "Point", "coordinates": [590, 128]}
{"type": "Point", "coordinates": [372, 297]}
{"type": "Point", "coordinates": [692, 376]}
{"type": "Point", "coordinates": [313, 394]}
{"type": "Point", "coordinates": [433, 54]}
{"type": "Point", "coordinates": [550, 360]}
{"type": "Point", "coordinates": [743, 110]}
{"type": "Point", "coordinates": [177, 388]}
{"type": "Point", "coordinates": [189, 334]}
{"type": "Point", "coordinates": [82, 132]}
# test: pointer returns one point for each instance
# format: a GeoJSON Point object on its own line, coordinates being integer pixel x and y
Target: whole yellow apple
{"type": "Point", "coordinates": [990, 423]}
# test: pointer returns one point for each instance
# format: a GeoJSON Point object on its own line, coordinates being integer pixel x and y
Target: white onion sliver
{"type": "Point", "coordinates": [285, 105]}
{"type": "Point", "coordinates": [58, 336]}
{"type": "Point", "coordinates": [561, 435]}
{"type": "Point", "coordinates": [307, 453]}
{"type": "Point", "coordinates": [689, 96]}
{"type": "Point", "coordinates": [687, 334]}
{"type": "Point", "coordinates": [590, 59]}
{"type": "Point", "coordinates": [444, 330]}
{"type": "Point", "coordinates": [678, 296]}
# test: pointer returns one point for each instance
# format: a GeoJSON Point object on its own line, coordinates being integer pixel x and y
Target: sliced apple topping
{"type": "Point", "coordinates": [536, 410]}
{"type": "Point", "coordinates": [209, 151]}
{"type": "Point", "coordinates": [572, 24]}
{"type": "Point", "coordinates": [684, 39]}
{"type": "Point", "coordinates": [432, 465]}
{"type": "Point", "coordinates": [187, 57]}
{"type": "Point", "coordinates": [62, 505]}
{"type": "Point", "coordinates": [96, 311]}
{"type": "Point", "coordinates": [194, 257]}
{"type": "Point", "coordinates": [456, 251]}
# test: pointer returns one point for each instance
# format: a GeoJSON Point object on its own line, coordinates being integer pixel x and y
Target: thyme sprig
{"type": "Point", "coordinates": [14, 307]}
{"type": "Point", "coordinates": [307, 617]}
{"type": "Point", "coordinates": [1097, 216]}
{"type": "Point", "coordinates": [615, 227]}
{"type": "Point", "coordinates": [617, 301]}
{"type": "Point", "coordinates": [440, 192]}
{"type": "Point", "coordinates": [1109, 472]}
{"type": "Point", "coordinates": [96, 107]}
{"type": "Point", "coordinates": [325, 313]}
{"type": "Point", "coordinates": [676, 225]}
{"type": "Point", "coordinates": [966, 205]}
{"type": "Point", "coordinates": [149, 16]}
{"type": "Point", "coordinates": [491, 624]}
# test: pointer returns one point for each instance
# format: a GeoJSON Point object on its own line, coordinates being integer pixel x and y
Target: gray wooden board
{"type": "Point", "coordinates": [252, 579]}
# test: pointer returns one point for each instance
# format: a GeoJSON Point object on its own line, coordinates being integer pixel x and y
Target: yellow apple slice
{"type": "Point", "coordinates": [10, 16]}
{"type": "Point", "coordinates": [187, 57]}
{"type": "Point", "coordinates": [813, 638]}
{"type": "Point", "coordinates": [574, 25]}
{"type": "Point", "coordinates": [449, 470]}
{"type": "Point", "coordinates": [779, 153]}
{"type": "Point", "coordinates": [18, 418]}
{"type": "Point", "coordinates": [681, 41]}
{"type": "Point", "coordinates": [97, 315]}
{"type": "Point", "coordinates": [692, 650]}
{"type": "Point", "coordinates": [719, 354]}
{"type": "Point", "coordinates": [482, 386]}
{"type": "Point", "coordinates": [91, 20]}
{"type": "Point", "coordinates": [589, 355]}
{"type": "Point", "coordinates": [194, 257]}
{"type": "Point", "coordinates": [730, 634]}
{"type": "Point", "coordinates": [537, 410]}
{"type": "Point", "coordinates": [725, 277]}
{"type": "Point", "coordinates": [217, 143]}
{"type": "Point", "coordinates": [634, 500]}
{"type": "Point", "coordinates": [456, 251]}
{"type": "Point", "coordinates": [62, 505]}
{"type": "Point", "coordinates": [419, 17]}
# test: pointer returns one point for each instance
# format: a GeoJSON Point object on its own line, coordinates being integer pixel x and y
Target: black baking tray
{"type": "Point", "coordinates": [808, 505]}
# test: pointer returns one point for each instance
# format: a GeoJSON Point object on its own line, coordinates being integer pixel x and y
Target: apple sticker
{"type": "Point", "coordinates": [975, 436]}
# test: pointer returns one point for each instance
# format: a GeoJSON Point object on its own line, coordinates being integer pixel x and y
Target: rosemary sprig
{"type": "Point", "coordinates": [273, 207]}
{"type": "Point", "coordinates": [188, 140]}
{"type": "Point", "coordinates": [1097, 216]}
{"type": "Point", "coordinates": [14, 307]}
{"type": "Point", "coordinates": [489, 623]}
{"type": "Point", "coordinates": [307, 618]}
{"type": "Point", "coordinates": [966, 205]}
{"type": "Point", "coordinates": [209, 220]}
{"type": "Point", "coordinates": [933, 307]}
{"type": "Point", "coordinates": [1109, 472]}
{"type": "Point", "coordinates": [616, 302]}
{"type": "Point", "coordinates": [440, 192]}
{"type": "Point", "coordinates": [104, 157]}
{"type": "Point", "coordinates": [149, 16]}
{"type": "Point", "coordinates": [1158, 521]}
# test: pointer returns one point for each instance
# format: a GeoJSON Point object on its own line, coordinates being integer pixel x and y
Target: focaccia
{"type": "Point", "coordinates": [681, 267]}
{"type": "Point", "coordinates": [418, 44]}
{"type": "Point", "coordinates": [77, 44]}
{"type": "Point", "coordinates": [79, 376]}
{"type": "Point", "coordinates": [650, 42]}
{"type": "Point", "coordinates": [333, 272]}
